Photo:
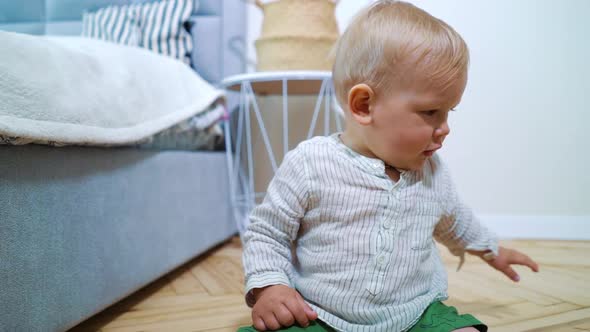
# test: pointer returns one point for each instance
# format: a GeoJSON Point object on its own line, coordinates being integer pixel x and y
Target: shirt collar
{"type": "Point", "coordinates": [373, 166]}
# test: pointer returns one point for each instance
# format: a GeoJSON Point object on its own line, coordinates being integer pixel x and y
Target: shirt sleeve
{"type": "Point", "coordinates": [274, 225]}
{"type": "Point", "coordinates": [459, 229]}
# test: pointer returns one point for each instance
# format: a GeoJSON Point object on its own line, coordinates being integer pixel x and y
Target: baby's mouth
{"type": "Point", "coordinates": [430, 152]}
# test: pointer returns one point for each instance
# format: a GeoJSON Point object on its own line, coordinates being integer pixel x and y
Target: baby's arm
{"type": "Point", "coordinates": [267, 248]}
{"type": "Point", "coordinates": [460, 231]}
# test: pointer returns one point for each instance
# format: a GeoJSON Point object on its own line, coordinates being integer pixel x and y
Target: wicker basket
{"type": "Point", "coordinates": [296, 35]}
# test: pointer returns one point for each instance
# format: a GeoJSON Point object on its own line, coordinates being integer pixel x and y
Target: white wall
{"type": "Point", "coordinates": [519, 144]}
{"type": "Point", "coordinates": [518, 148]}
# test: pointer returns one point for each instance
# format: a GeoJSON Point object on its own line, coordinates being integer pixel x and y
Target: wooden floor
{"type": "Point", "coordinates": [206, 294]}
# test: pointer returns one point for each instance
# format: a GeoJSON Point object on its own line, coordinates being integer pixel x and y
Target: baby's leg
{"type": "Point", "coordinates": [466, 329]}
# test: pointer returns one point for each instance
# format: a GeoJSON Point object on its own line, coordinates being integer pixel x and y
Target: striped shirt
{"type": "Point", "coordinates": [358, 246]}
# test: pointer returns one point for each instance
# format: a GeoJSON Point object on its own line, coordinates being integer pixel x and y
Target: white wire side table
{"type": "Point", "coordinates": [255, 137]}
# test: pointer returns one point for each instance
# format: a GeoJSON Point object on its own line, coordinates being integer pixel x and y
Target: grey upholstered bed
{"type": "Point", "coordinates": [82, 227]}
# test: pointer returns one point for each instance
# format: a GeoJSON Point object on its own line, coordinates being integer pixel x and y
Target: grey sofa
{"type": "Point", "coordinates": [82, 227]}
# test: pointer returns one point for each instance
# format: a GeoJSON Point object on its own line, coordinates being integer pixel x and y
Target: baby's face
{"type": "Point", "coordinates": [410, 123]}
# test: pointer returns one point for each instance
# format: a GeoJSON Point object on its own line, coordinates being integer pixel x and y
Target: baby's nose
{"type": "Point", "coordinates": [442, 131]}
{"type": "Point", "coordinates": [446, 129]}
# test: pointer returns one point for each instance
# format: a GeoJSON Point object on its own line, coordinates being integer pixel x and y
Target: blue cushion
{"type": "Point", "coordinates": [67, 10]}
{"type": "Point", "coordinates": [22, 11]}
{"type": "Point", "coordinates": [205, 31]}
{"type": "Point", "coordinates": [209, 7]}
{"type": "Point", "coordinates": [66, 28]}
{"type": "Point", "coordinates": [29, 28]}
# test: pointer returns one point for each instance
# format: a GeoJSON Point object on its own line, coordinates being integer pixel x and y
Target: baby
{"type": "Point", "coordinates": [344, 239]}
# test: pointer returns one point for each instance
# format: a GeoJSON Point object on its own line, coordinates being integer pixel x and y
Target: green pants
{"type": "Point", "coordinates": [441, 318]}
{"type": "Point", "coordinates": [315, 326]}
{"type": "Point", "coordinates": [437, 318]}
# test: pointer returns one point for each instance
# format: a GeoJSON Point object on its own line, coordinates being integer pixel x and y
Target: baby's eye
{"type": "Point", "coordinates": [430, 112]}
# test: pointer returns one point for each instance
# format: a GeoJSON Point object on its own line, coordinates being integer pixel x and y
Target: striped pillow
{"type": "Point", "coordinates": [116, 24]}
{"type": "Point", "coordinates": [163, 28]}
{"type": "Point", "coordinates": [158, 26]}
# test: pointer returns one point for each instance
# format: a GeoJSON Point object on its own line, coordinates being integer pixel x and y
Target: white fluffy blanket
{"type": "Point", "coordinates": [82, 91]}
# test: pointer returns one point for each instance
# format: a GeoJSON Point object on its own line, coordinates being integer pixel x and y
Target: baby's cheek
{"type": "Point", "coordinates": [406, 143]}
{"type": "Point", "coordinates": [414, 141]}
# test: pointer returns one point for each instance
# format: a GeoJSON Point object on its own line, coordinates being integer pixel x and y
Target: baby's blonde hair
{"type": "Point", "coordinates": [390, 40]}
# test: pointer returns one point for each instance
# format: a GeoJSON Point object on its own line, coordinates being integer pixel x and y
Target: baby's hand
{"type": "Point", "coordinates": [280, 306]}
{"type": "Point", "coordinates": [507, 257]}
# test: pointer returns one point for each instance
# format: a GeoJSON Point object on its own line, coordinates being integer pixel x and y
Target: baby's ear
{"type": "Point", "coordinates": [360, 98]}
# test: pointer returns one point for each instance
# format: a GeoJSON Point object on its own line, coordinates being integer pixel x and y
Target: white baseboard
{"type": "Point", "coordinates": [539, 227]}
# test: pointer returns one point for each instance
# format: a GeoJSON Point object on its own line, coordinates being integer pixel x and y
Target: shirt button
{"type": "Point", "coordinates": [387, 224]}
{"type": "Point", "coordinates": [380, 260]}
